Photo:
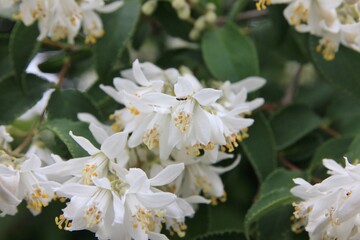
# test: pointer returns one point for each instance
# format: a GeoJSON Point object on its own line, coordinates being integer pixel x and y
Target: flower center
{"type": "Point", "coordinates": [148, 220]}
{"type": "Point", "coordinates": [348, 13]}
{"type": "Point", "coordinates": [119, 187]}
{"type": "Point", "coordinates": [61, 220]}
{"type": "Point", "coordinates": [37, 199]}
{"type": "Point", "coordinates": [182, 121]}
{"type": "Point", "coordinates": [261, 4]}
{"type": "Point", "coordinates": [300, 15]}
{"type": "Point", "coordinates": [92, 216]}
{"type": "Point", "coordinates": [88, 172]}
{"type": "Point", "coordinates": [151, 138]}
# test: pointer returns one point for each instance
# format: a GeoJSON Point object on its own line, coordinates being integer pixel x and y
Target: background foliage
{"type": "Point", "coordinates": [312, 108]}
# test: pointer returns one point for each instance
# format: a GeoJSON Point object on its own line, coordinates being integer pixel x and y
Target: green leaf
{"type": "Point", "coordinates": [332, 149]}
{"type": "Point", "coordinates": [222, 236]}
{"type": "Point", "coordinates": [5, 67]}
{"type": "Point", "coordinates": [260, 147]}
{"type": "Point", "coordinates": [347, 79]}
{"type": "Point", "coordinates": [354, 150]}
{"type": "Point", "coordinates": [61, 128]}
{"type": "Point", "coordinates": [14, 101]}
{"type": "Point", "coordinates": [280, 178]}
{"type": "Point", "coordinates": [167, 17]}
{"type": "Point", "coordinates": [265, 204]}
{"type": "Point", "coordinates": [292, 123]}
{"type": "Point", "coordinates": [68, 103]}
{"type": "Point", "coordinates": [23, 46]}
{"type": "Point", "coordinates": [229, 54]}
{"type": "Point", "coordinates": [276, 224]}
{"type": "Point", "coordinates": [119, 27]}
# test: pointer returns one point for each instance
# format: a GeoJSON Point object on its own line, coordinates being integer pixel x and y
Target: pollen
{"type": "Point", "coordinates": [88, 172]}
{"type": "Point", "coordinates": [134, 110]}
{"type": "Point", "coordinates": [261, 4]}
{"type": "Point", "coordinates": [327, 49]}
{"type": "Point", "coordinates": [37, 200]}
{"type": "Point", "coordinates": [151, 138]}
{"type": "Point", "coordinates": [300, 15]}
{"type": "Point", "coordinates": [182, 121]}
{"type": "Point", "coordinates": [148, 220]}
{"type": "Point", "coordinates": [92, 216]}
{"type": "Point", "coordinates": [62, 222]}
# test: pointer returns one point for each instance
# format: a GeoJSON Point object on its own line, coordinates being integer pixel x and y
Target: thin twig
{"type": "Point", "coordinates": [289, 165]}
{"type": "Point", "coordinates": [330, 131]}
{"type": "Point", "coordinates": [251, 14]}
{"type": "Point", "coordinates": [63, 72]}
{"type": "Point", "coordinates": [28, 139]}
{"type": "Point", "coordinates": [290, 91]}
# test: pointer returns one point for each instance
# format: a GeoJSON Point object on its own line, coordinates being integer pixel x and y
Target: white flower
{"type": "Point", "coordinates": [5, 139]}
{"type": "Point", "coordinates": [111, 157]}
{"type": "Point", "coordinates": [91, 22]}
{"type": "Point", "coordinates": [62, 19]}
{"type": "Point", "coordinates": [126, 206]}
{"type": "Point", "coordinates": [330, 209]}
{"type": "Point", "coordinates": [170, 111]}
{"type": "Point", "coordinates": [200, 176]}
{"type": "Point", "coordinates": [29, 183]}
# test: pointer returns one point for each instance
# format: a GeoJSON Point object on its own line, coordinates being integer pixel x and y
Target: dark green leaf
{"type": "Point", "coordinates": [222, 236]}
{"type": "Point", "coordinates": [332, 149]}
{"type": "Point", "coordinates": [14, 101]}
{"type": "Point", "coordinates": [5, 66]}
{"type": "Point", "coordinates": [229, 54]}
{"type": "Point", "coordinates": [62, 127]}
{"type": "Point", "coordinates": [169, 20]}
{"type": "Point", "coordinates": [23, 46]}
{"type": "Point", "coordinates": [265, 204]}
{"type": "Point", "coordinates": [68, 103]}
{"type": "Point", "coordinates": [260, 147]}
{"type": "Point", "coordinates": [118, 26]}
{"type": "Point", "coordinates": [292, 123]}
{"type": "Point", "coordinates": [354, 150]}
{"type": "Point", "coordinates": [347, 78]}
{"type": "Point", "coordinates": [280, 178]}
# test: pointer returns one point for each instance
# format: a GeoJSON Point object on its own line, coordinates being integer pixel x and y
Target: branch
{"type": "Point", "coordinates": [290, 91]}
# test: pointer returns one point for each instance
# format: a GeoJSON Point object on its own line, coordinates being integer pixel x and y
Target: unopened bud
{"type": "Point", "coordinates": [210, 17]}
{"type": "Point", "coordinates": [210, 7]}
{"type": "Point", "coordinates": [184, 13]}
{"type": "Point", "coordinates": [200, 23]}
{"type": "Point", "coordinates": [194, 34]}
{"type": "Point", "coordinates": [178, 4]}
{"type": "Point", "coordinates": [149, 7]}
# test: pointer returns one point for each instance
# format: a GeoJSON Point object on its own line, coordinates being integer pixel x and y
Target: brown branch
{"type": "Point", "coordinates": [243, 16]}
{"type": "Point", "coordinates": [290, 91]}
{"type": "Point", "coordinates": [330, 131]}
{"type": "Point", "coordinates": [63, 72]}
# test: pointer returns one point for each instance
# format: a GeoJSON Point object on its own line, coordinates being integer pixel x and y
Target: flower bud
{"type": "Point", "coordinates": [149, 7]}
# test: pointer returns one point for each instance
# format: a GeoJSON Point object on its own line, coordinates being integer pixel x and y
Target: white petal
{"type": "Point", "coordinates": [75, 189]}
{"type": "Point", "coordinates": [85, 144]}
{"type": "Point", "coordinates": [114, 145]}
{"type": "Point", "coordinates": [102, 183]}
{"type": "Point", "coordinates": [99, 133]}
{"type": "Point", "coordinates": [119, 209]}
{"type": "Point", "coordinates": [32, 163]}
{"type": "Point", "coordinates": [197, 199]}
{"type": "Point", "coordinates": [250, 84]}
{"type": "Point", "coordinates": [139, 75]}
{"type": "Point", "coordinates": [167, 175]}
{"type": "Point", "coordinates": [137, 180]}
{"type": "Point", "coordinates": [221, 170]}
{"type": "Point", "coordinates": [157, 236]}
{"type": "Point", "coordinates": [207, 96]}
{"type": "Point", "coordinates": [111, 7]}
{"type": "Point", "coordinates": [156, 200]}
{"type": "Point", "coordinates": [183, 87]}
{"type": "Point", "coordinates": [112, 93]}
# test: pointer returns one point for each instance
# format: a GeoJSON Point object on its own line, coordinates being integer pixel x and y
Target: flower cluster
{"type": "Point", "coordinates": [183, 9]}
{"type": "Point", "coordinates": [334, 21]}
{"type": "Point", "coordinates": [330, 209]}
{"type": "Point", "coordinates": [62, 19]}
{"type": "Point", "coordinates": [149, 168]}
